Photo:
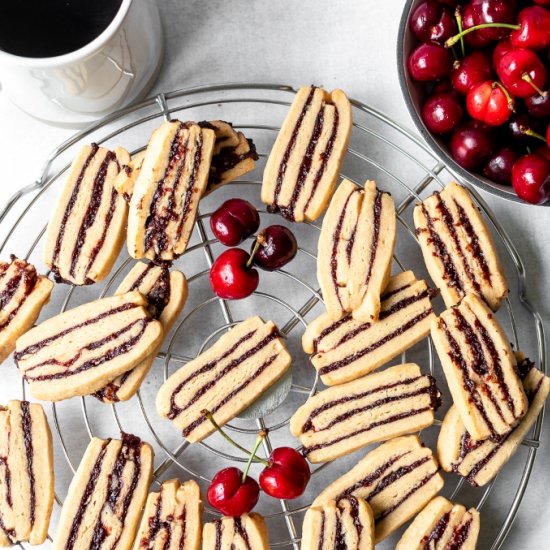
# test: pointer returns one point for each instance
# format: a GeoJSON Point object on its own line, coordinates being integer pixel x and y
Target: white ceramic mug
{"type": "Point", "coordinates": [115, 69]}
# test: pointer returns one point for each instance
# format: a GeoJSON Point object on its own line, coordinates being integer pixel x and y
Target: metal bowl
{"type": "Point", "coordinates": [415, 95]}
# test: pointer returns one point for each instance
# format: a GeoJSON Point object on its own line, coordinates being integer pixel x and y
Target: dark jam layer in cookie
{"type": "Point", "coordinates": [27, 277]}
{"type": "Point", "coordinates": [119, 493]}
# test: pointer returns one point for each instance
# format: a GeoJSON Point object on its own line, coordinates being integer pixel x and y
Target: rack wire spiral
{"type": "Point", "coordinates": [379, 149]}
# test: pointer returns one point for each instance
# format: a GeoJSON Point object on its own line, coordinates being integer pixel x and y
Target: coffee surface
{"type": "Point", "coordinates": [48, 28]}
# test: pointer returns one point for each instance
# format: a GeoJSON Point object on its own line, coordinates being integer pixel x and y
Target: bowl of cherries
{"type": "Point", "coordinates": [475, 75]}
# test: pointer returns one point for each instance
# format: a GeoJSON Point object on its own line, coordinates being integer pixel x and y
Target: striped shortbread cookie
{"type": "Point", "coordinates": [346, 524]}
{"type": "Point", "coordinates": [23, 293]}
{"type": "Point", "coordinates": [81, 350]}
{"type": "Point", "coordinates": [480, 368]}
{"type": "Point", "coordinates": [480, 461]}
{"type": "Point", "coordinates": [442, 525]}
{"type": "Point", "coordinates": [224, 379]}
{"type": "Point", "coordinates": [172, 518]}
{"type": "Point", "coordinates": [397, 479]}
{"type": "Point", "coordinates": [117, 474]}
{"type": "Point", "coordinates": [26, 474]}
{"type": "Point", "coordinates": [458, 248]}
{"type": "Point", "coordinates": [246, 532]}
{"type": "Point", "coordinates": [304, 163]}
{"type": "Point", "coordinates": [86, 230]}
{"type": "Point", "coordinates": [345, 349]}
{"type": "Point", "coordinates": [355, 250]}
{"type": "Point", "coordinates": [167, 190]}
{"type": "Point", "coordinates": [337, 421]}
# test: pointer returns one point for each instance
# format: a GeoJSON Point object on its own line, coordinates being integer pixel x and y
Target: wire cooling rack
{"type": "Point", "coordinates": [379, 149]}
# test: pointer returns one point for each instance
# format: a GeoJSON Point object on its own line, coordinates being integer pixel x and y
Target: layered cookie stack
{"type": "Point", "coordinates": [397, 479]}
{"type": "Point", "coordinates": [355, 250]}
{"type": "Point", "coordinates": [182, 162]}
{"type": "Point", "coordinates": [496, 400]}
{"type": "Point", "coordinates": [166, 292]}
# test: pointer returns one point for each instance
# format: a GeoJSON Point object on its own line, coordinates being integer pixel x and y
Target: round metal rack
{"type": "Point", "coordinates": [379, 149]}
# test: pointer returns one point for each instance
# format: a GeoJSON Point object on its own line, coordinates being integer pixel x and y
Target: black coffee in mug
{"type": "Point", "coordinates": [47, 28]}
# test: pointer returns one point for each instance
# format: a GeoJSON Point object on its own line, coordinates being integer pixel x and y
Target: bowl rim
{"type": "Point", "coordinates": [439, 152]}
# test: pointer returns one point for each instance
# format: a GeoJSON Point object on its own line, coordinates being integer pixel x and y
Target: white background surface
{"type": "Point", "coordinates": [336, 44]}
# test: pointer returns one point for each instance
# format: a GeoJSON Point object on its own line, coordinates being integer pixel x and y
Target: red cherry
{"type": "Point", "coordinates": [430, 62]}
{"type": "Point", "coordinates": [488, 102]}
{"type": "Point", "coordinates": [278, 246]}
{"type": "Point", "coordinates": [522, 72]}
{"type": "Point", "coordinates": [498, 167]}
{"type": "Point", "coordinates": [473, 39]}
{"type": "Point", "coordinates": [493, 11]}
{"type": "Point", "coordinates": [231, 278]}
{"type": "Point", "coordinates": [471, 145]}
{"type": "Point", "coordinates": [534, 31]}
{"type": "Point", "coordinates": [287, 474]}
{"type": "Point", "coordinates": [475, 67]}
{"type": "Point", "coordinates": [230, 495]}
{"type": "Point", "coordinates": [501, 49]}
{"type": "Point", "coordinates": [520, 128]}
{"type": "Point", "coordinates": [543, 151]}
{"type": "Point", "coordinates": [234, 221]}
{"type": "Point", "coordinates": [538, 105]}
{"type": "Point", "coordinates": [531, 178]}
{"type": "Point", "coordinates": [442, 112]}
{"type": "Point", "coordinates": [545, 3]}
{"type": "Point", "coordinates": [431, 21]}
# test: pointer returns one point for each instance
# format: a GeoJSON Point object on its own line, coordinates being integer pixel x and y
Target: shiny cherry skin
{"type": "Point", "coordinates": [488, 103]}
{"type": "Point", "coordinates": [231, 278]}
{"type": "Point", "coordinates": [493, 11]}
{"type": "Point", "coordinates": [430, 62]}
{"type": "Point", "coordinates": [534, 31]}
{"type": "Point", "coordinates": [278, 246]}
{"type": "Point", "coordinates": [501, 49]}
{"type": "Point", "coordinates": [287, 474]}
{"type": "Point", "coordinates": [432, 22]}
{"type": "Point", "coordinates": [471, 145]}
{"type": "Point", "coordinates": [228, 494]}
{"type": "Point", "coordinates": [517, 65]}
{"type": "Point", "coordinates": [473, 39]}
{"type": "Point", "coordinates": [538, 105]}
{"type": "Point", "coordinates": [234, 221]}
{"type": "Point", "coordinates": [498, 167]}
{"type": "Point", "coordinates": [475, 67]}
{"type": "Point", "coordinates": [531, 178]}
{"type": "Point", "coordinates": [442, 112]}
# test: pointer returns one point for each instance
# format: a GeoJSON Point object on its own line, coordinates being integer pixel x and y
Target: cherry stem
{"type": "Point", "coordinates": [531, 133]}
{"type": "Point", "coordinates": [454, 39]}
{"type": "Point", "coordinates": [254, 250]}
{"type": "Point", "coordinates": [458, 16]}
{"type": "Point", "coordinates": [506, 93]}
{"type": "Point", "coordinates": [212, 420]}
{"type": "Point", "coordinates": [259, 439]}
{"type": "Point", "coordinates": [529, 80]}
